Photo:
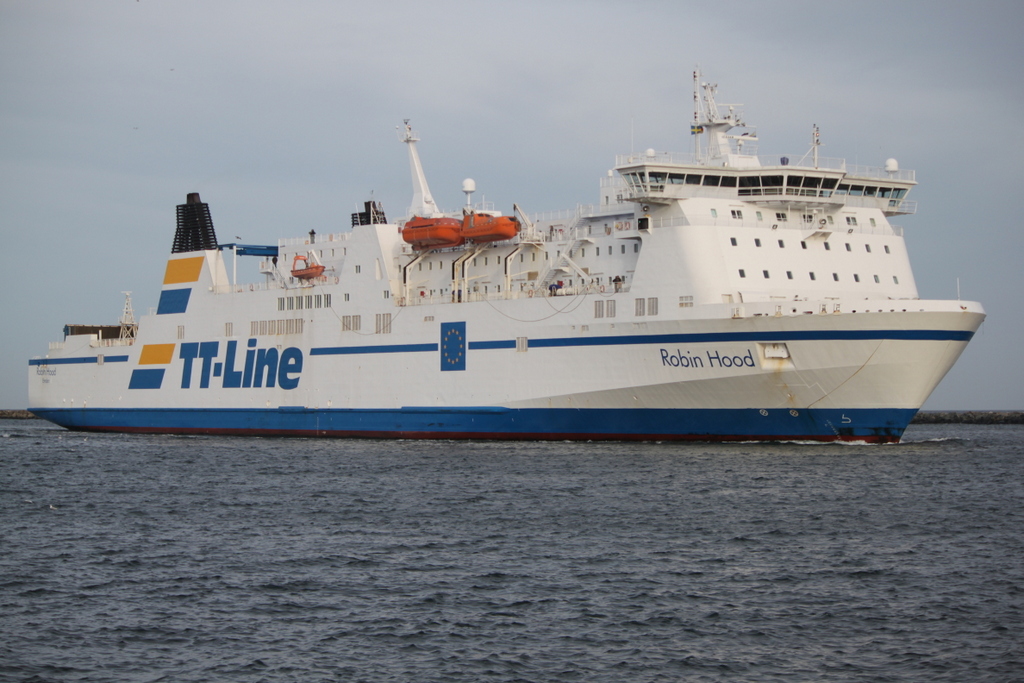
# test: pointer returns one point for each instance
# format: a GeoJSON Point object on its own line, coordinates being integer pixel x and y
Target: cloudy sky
{"type": "Point", "coordinates": [283, 117]}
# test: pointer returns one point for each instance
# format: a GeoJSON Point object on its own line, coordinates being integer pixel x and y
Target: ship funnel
{"type": "Point", "coordinates": [195, 226]}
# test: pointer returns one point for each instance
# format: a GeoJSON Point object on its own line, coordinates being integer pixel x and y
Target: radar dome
{"type": "Point", "coordinates": [650, 151]}
{"type": "Point", "coordinates": [469, 185]}
{"type": "Point", "coordinates": [891, 166]}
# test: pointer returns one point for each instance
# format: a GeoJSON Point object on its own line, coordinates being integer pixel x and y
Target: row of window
{"type": "Point", "coordinates": [609, 250]}
{"type": "Point", "coordinates": [263, 328]}
{"type": "Point", "coordinates": [354, 323]}
{"type": "Point", "coordinates": [813, 276]}
{"type": "Point", "coordinates": [764, 184]}
{"type": "Point", "coordinates": [783, 217]}
{"type": "Point", "coordinates": [641, 307]}
{"type": "Point", "coordinates": [803, 245]}
{"type": "Point", "coordinates": [298, 303]}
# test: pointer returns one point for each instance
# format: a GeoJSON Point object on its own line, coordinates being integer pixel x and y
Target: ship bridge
{"type": "Point", "coordinates": [661, 178]}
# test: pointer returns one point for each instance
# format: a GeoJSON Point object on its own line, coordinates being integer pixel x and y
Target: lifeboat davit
{"type": "Point", "coordinates": [481, 227]}
{"type": "Point", "coordinates": [433, 233]}
{"type": "Point", "coordinates": [307, 271]}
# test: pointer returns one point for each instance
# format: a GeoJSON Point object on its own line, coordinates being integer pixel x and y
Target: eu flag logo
{"type": "Point", "coordinates": [453, 346]}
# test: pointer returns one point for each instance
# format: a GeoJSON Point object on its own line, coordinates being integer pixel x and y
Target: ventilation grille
{"type": "Point", "coordinates": [195, 227]}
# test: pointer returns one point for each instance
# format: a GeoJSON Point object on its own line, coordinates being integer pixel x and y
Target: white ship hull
{"type": "Point", "coordinates": [845, 375]}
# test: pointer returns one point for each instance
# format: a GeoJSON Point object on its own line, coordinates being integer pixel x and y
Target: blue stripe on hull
{"type": "Point", "coordinates": [879, 425]}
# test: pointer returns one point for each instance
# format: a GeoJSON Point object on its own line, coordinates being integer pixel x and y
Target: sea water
{"type": "Point", "coordinates": [159, 558]}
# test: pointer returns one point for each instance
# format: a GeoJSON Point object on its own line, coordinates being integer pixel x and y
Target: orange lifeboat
{"type": "Point", "coordinates": [480, 227]}
{"type": "Point", "coordinates": [308, 270]}
{"type": "Point", "coordinates": [433, 233]}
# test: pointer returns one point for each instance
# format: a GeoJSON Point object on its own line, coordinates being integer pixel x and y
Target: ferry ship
{"type": "Point", "coordinates": [713, 295]}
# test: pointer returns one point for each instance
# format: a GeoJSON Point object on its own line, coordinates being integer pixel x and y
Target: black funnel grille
{"type": "Point", "coordinates": [372, 215]}
{"type": "Point", "coordinates": [195, 227]}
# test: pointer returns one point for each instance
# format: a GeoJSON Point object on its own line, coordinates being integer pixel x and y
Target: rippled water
{"type": "Point", "coordinates": [135, 558]}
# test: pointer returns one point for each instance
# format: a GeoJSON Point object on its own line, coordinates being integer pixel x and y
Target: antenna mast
{"type": "Point", "coordinates": [128, 325]}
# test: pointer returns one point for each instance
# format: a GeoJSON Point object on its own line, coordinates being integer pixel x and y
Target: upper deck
{"type": "Point", "coordinates": [723, 167]}
{"type": "Point", "coordinates": [663, 177]}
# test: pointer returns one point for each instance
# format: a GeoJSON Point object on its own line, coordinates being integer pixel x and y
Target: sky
{"type": "Point", "coordinates": [284, 116]}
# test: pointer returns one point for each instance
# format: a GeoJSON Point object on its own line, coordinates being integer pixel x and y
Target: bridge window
{"type": "Point", "coordinates": [712, 180]}
{"type": "Point", "coordinates": [781, 216]}
{"type": "Point", "coordinates": [736, 213]}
